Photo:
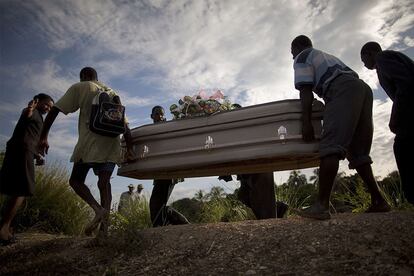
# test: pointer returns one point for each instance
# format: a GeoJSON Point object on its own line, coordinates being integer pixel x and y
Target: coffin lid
{"type": "Point", "coordinates": [276, 108]}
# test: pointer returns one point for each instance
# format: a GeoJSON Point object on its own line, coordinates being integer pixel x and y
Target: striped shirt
{"type": "Point", "coordinates": [316, 68]}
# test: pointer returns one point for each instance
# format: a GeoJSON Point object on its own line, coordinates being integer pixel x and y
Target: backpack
{"type": "Point", "coordinates": [107, 114]}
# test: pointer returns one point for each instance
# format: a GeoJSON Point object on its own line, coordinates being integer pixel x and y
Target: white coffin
{"type": "Point", "coordinates": [245, 140]}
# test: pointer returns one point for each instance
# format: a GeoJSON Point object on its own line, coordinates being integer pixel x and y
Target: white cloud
{"type": "Point", "coordinates": [409, 41]}
{"type": "Point", "coordinates": [7, 107]}
{"type": "Point", "coordinates": [3, 141]}
{"type": "Point", "coordinates": [382, 146]}
{"type": "Point", "coordinates": [233, 45]}
{"type": "Point", "coordinates": [39, 77]}
{"type": "Point", "coordinates": [135, 101]}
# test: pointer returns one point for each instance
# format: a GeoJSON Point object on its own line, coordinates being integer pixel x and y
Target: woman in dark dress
{"type": "Point", "coordinates": [17, 178]}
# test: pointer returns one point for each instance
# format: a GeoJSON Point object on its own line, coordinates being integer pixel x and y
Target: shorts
{"type": "Point", "coordinates": [347, 121]}
{"type": "Point", "coordinates": [80, 169]}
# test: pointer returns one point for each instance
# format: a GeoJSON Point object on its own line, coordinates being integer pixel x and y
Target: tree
{"type": "Point", "coordinates": [199, 196]}
{"type": "Point", "coordinates": [315, 177]}
{"type": "Point", "coordinates": [296, 179]}
{"type": "Point", "coordinates": [216, 192]}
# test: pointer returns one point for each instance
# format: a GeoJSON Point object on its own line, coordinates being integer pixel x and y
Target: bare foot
{"type": "Point", "coordinates": [382, 207]}
{"type": "Point", "coordinates": [5, 234]}
{"type": "Point", "coordinates": [103, 229]}
{"type": "Point", "coordinates": [99, 216]}
{"type": "Point", "coordinates": [316, 211]}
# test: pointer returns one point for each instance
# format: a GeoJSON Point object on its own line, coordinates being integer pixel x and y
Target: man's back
{"type": "Point", "coordinates": [396, 75]}
{"type": "Point", "coordinates": [127, 196]}
{"type": "Point", "coordinates": [91, 147]}
{"type": "Point", "coordinates": [395, 71]}
{"type": "Point", "coordinates": [126, 199]}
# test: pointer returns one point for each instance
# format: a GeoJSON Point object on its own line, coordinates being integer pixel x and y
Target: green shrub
{"type": "Point", "coordinates": [190, 208]}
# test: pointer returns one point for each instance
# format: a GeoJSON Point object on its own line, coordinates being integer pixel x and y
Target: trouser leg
{"type": "Point", "coordinates": [244, 191]}
{"type": "Point", "coordinates": [262, 195]}
{"type": "Point", "coordinates": [158, 201]}
{"type": "Point", "coordinates": [404, 151]}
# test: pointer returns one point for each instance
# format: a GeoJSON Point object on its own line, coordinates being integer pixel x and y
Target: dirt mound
{"type": "Point", "coordinates": [348, 244]}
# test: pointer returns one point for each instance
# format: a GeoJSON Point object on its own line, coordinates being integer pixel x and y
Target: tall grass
{"type": "Point", "coordinates": [393, 193]}
{"type": "Point", "coordinates": [54, 207]}
{"type": "Point", "coordinates": [225, 210]}
{"type": "Point", "coordinates": [134, 215]}
{"type": "Point", "coordinates": [353, 192]}
{"type": "Point", "coordinates": [296, 197]}
{"type": "Point", "coordinates": [125, 227]}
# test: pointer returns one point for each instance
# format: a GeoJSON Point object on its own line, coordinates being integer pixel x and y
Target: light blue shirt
{"type": "Point", "coordinates": [316, 68]}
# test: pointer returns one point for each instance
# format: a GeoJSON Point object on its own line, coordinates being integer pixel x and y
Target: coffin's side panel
{"type": "Point", "coordinates": [293, 156]}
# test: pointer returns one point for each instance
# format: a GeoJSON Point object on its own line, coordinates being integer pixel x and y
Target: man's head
{"type": "Point", "coordinates": [140, 188]}
{"type": "Point", "coordinates": [369, 54]}
{"type": "Point", "coordinates": [88, 74]}
{"type": "Point", "coordinates": [299, 44]}
{"type": "Point", "coordinates": [157, 114]}
{"type": "Point", "coordinates": [131, 188]}
{"type": "Point", "coordinates": [44, 104]}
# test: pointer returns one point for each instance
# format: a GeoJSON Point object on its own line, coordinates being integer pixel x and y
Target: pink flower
{"type": "Point", "coordinates": [203, 94]}
{"type": "Point", "coordinates": [217, 95]}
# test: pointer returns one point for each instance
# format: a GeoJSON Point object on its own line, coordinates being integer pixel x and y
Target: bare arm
{"type": "Point", "coordinates": [128, 141]}
{"type": "Point", "coordinates": [28, 111]}
{"type": "Point", "coordinates": [306, 97]}
{"type": "Point", "coordinates": [43, 145]}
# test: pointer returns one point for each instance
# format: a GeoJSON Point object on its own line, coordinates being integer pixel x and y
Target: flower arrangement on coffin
{"type": "Point", "coordinates": [201, 104]}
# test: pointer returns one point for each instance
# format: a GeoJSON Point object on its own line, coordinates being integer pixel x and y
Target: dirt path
{"type": "Point", "coordinates": [348, 244]}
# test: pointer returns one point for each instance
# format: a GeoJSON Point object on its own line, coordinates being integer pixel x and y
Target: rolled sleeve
{"type": "Point", "coordinates": [304, 75]}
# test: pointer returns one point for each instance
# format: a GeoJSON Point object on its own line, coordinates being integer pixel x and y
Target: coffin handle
{"type": "Point", "coordinates": [209, 144]}
{"type": "Point", "coordinates": [282, 132]}
{"type": "Point", "coordinates": [145, 151]}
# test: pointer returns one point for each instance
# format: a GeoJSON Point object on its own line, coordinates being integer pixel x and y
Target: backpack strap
{"type": "Point", "coordinates": [106, 89]}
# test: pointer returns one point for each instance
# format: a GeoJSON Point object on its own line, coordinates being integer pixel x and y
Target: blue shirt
{"type": "Point", "coordinates": [316, 68]}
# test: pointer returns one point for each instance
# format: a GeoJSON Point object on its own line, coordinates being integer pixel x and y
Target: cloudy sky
{"type": "Point", "coordinates": [154, 52]}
